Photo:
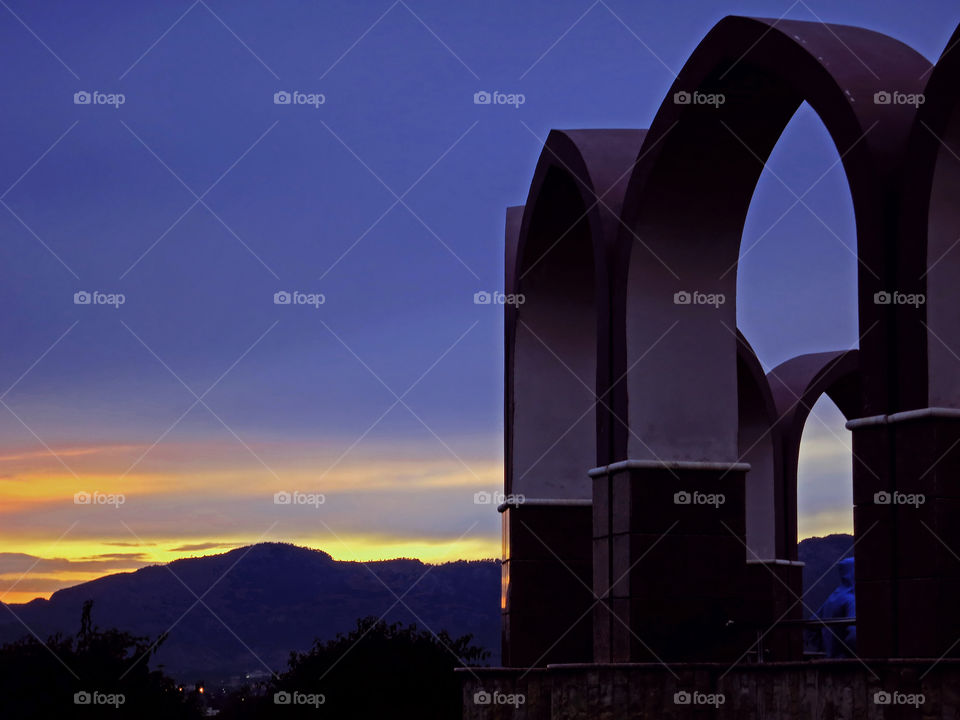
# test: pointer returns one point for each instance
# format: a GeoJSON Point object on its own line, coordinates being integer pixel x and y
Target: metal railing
{"type": "Point", "coordinates": [807, 624]}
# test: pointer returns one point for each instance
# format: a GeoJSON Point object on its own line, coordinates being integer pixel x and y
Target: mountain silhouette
{"type": "Point", "coordinates": [821, 574]}
{"type": "Point", "coordinates": [258, 603]}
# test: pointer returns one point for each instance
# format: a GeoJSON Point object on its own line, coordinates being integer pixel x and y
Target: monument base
{"type": "Point", "coordinates": [871, 690]}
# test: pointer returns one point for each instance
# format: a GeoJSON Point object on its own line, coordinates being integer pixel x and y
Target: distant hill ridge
{"type": "Point", "coordinates": [821, 554]}
{"type": "Point", "coordinates": [273, 598]}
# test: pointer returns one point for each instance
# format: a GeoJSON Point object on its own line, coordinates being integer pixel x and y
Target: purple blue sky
{"type": "Point", "coordinates": [389, 200]}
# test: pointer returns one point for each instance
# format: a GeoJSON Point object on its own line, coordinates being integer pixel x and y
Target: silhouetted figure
{"type": "Point", "coordinates": [840, 641]}
{"type": "Point", "coordinates": [86, 624]}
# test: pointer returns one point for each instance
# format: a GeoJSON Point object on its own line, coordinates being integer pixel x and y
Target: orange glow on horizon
{"type": "Point", "coordinates": [175, 488]}
{"type": "Point", "coordinates": [357, 548]}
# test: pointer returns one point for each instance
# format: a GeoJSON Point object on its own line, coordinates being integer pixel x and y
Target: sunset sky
{"type": "Point", "coordinates": [199, 198]}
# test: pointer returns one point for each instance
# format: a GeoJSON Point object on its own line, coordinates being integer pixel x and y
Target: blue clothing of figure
{"type": "Point", "coordinates": [840, 641]}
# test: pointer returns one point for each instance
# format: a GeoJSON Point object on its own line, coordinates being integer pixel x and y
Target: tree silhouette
{"type": "Point", "coordinates": [376, 670]}
{"type": "Point", "coordinates": [92, 675]}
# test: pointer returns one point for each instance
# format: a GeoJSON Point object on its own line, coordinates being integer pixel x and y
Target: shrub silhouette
{"type": "Point", "coordinates": [375, 671]}
{"type": "Point", "coordinates": [42, 680]}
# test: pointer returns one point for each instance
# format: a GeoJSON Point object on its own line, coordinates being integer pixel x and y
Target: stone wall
{"type": "Point", "coordinates": [825, 689]}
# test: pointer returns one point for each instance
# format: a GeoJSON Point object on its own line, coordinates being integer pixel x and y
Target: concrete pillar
{"type": "Point", "coordinates": [546, 597]}
{"type": "Point", "coordinates": [907, 504]}
{"type": "Point", "coordinates": [676, 567]}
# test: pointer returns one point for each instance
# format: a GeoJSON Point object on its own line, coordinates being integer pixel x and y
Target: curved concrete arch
{"type": "Point", "coordinates": [796, 385]}
{"type": "Point", "coordinates": [912, 449]}
{"type": "Point", "coordinates": [928, 260]}
{"type": "Point", "coordinates": [558, 338]}
{"type": "Point", "coordinates": [686, 205]}
{"type": "Point", "coordinates": [557, 352]}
